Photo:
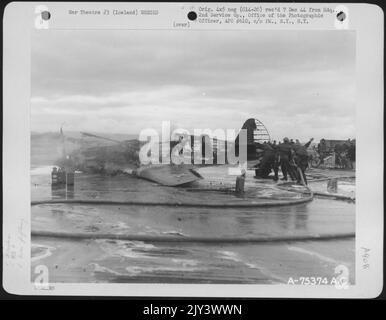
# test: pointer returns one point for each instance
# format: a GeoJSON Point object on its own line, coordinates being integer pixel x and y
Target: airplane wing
{"type": "Point", "coordinates": [169, 175]}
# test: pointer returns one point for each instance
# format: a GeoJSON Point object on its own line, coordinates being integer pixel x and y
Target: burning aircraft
{"type": "Point", "coordinates": [99, 154]}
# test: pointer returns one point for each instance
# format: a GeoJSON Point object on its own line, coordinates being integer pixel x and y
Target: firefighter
{"type": "Point", "coordinates": [269, 161]}
{"type": "Point", "coordinates": [276, 161]}
{"type": "Point", "coordinates": [351, 154]}
{"type": "Point", "coordinates": [339, 149]}
{"type": "Point", "coordinates": [240, 182]}
{"type": "Point", "coordinates": [322, 150]}
{"type": "Point", "coordinates": [301, 160]}
{"type": "Point", "coordinates": [285, 153]}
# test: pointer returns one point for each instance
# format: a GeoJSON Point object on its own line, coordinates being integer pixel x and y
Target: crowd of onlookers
{"type": "Point", "coordinates": [343, 151]}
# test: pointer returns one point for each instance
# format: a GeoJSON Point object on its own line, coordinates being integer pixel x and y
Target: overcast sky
{"type": "Point", "coordinates": [300, 84]}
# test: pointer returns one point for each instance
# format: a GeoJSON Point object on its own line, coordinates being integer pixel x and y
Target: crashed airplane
{"type": "Point", "coordinates": [97, 154]}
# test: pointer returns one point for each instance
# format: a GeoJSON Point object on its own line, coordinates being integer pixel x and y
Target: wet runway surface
{"type": "Point", "coordinates": [136, 261]}
{"type": "Point", "coordinates": [105, 260]}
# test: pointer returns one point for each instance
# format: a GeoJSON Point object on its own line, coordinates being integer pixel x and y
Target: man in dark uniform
{"type": "Point", "coordinates": [285, 154]}
{"type": "Point", "coordinates": [301, 160]}
{"type": "Point", "coordinates": [268, 162]}
{"type": "Point", "coordinates": [351, 154]}
{"type": "Point", "coordinates": [322, 150]}
{"type": "Point", "coordinates": [338, 149]}
{"type": "Point", "coordinates": [276, 162]}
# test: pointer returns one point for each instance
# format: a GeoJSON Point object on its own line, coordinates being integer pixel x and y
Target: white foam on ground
{"type": "Point", "coordinates": [99, 268]}
{"type": "Point", "coordinates": [120, 225]}
{"type": "Point", "coordinates": [122, 248]}
{"type": "Point", "coordinates": [46, 252]}
{"type": "Point", "coordinates": [46, 170]}
{"type": "Point", "coordinates": [314, 254]}
{"type": "Point", "coordinates": [173, 232]}
{"type": "Point", "coordinates": [233, 256]}
{"type": "Point", "coordinates": [135, 270]}
{"type": "Point", "coordinates": [230, 255]}
{"type": "Point", "coordinates": [186, 262]}
{"type": "Point", "coordinates": [346, 187]}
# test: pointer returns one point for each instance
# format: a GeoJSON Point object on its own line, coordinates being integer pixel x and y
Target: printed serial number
{"type": "Point", "coordinates": [314, 281]}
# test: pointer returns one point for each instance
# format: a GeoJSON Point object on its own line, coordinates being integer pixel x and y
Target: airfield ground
{"type": "Point", "coordinates": [118, 261]}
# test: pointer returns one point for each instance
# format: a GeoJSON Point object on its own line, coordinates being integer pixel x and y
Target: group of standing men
{"type": "Point", "coordinates": [344, 152]}
{"type": "Point", "coordinates": [291, 156]}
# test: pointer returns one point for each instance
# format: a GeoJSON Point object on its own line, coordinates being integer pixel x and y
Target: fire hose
{"type": "Point", "coordinates": [188, 239]}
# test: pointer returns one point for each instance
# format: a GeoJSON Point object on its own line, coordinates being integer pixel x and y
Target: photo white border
{"type": "Point", "coordinates": [18, 22]}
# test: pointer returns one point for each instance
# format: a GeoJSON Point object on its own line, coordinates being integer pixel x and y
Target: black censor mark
{"type": "Point", "coordinates": [46, 15]}
{"type": "Point", "coordinates": [192, 15]}
{"type": "Point", "coordinates": [341, 16]}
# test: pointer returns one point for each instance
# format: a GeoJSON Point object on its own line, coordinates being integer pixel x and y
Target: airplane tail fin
{"type": "Point", "coordinates": [250, 126]}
